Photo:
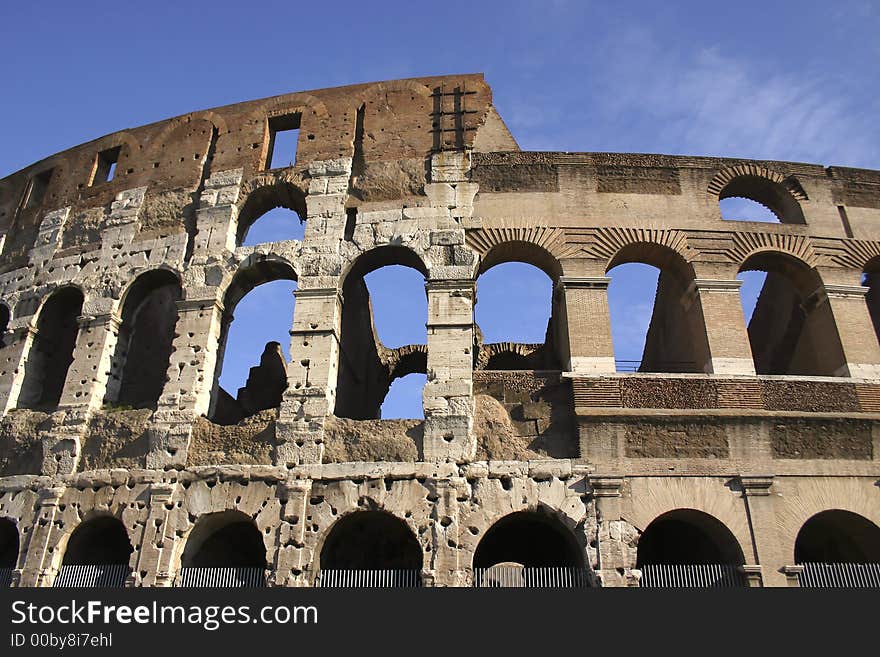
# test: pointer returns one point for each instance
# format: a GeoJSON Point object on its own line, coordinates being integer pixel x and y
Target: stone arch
{"type": "Point", "coordinates": [101, 539]}
{"type": "Point", "coordinates": [224, 539]}
{"type": "Point", "coordinates": [289, 103]}
{"type": "Point", "coordinates": [56, 328]}
{"type": "Point", "coordinates": [263, 193]}
{"type": "Point", "coordinates": [530, 538]}
{"type": "Point", "coordinates": [372, 539]}
{"type": "Point", "coordinates": [780, 194]}
{"type": "Point", "coordinates": [148, 317]}
{"type": "Point", "coordinates": [9, 543]}
{"type": "Point", "coordinates": [676, 339]}
{"type": "Point", "coordinates": [837, 536]}
{"type": "Point", "coordinates": [521, 250]}
{"type": "Point", "coordinates": [269, 374]}
{"type": "Point", "coordinates": [409, 359]}
{"type": "Point", "coordinates": [408, 86]}
{"type": "Point", "coordinates": [792, 330]}
{"type": "Point", "coordinates": [365, 371]}
{"type": "Point", "coordinates": [688, 537]}
{"type": "Point", "coordinates": [871, 280]}
{"type": "Point", "coordinates": [5, 317]}
{"type": "Point", "coordinates": [508, 356]}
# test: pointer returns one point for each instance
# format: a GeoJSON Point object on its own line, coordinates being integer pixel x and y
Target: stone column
{"type": "Point", "coordinates": [291, 562]}
{"type": "Point", "coordinates": [759, 506]}
{"type": "Point", "coordinates": [717, 306]}
{"type": "Point", "coordinates": [311, 376]}
{"type": "Point", "coordinates": [187, 393]}
{"type": "Point", "coordinates": [38, 568]}
{"type": "Point", "coordinates": [13, 360]}
{"type": "Point", "coordinates": [88, 377]}
{"type": "Point", "coordinates": [446, 569]}
{"type": "Point", "coordinates": [613, 554]}
{"type": "Point", "coordinates": [861, 350]}
{"type": "Point", "coordinates": [448, 394]}
{"type": "Point", "coordinates": [217, 216]}
{"type": "Point", "coordinates": [585, 345]}
{"type": "Point", "coordinates": [792, 575]}
{"type": "Point", "coordinates": [157, 540]}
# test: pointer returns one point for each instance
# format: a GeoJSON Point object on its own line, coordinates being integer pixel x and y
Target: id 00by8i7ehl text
{"type": "Point", "coordinates": [61, 641]}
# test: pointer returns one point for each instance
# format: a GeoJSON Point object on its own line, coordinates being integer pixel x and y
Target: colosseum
{"type": "Point", "coordinates": [738, 454]}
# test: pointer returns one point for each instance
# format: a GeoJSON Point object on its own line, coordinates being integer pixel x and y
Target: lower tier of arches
{"type": "Point", "coordinates": [488, 524]}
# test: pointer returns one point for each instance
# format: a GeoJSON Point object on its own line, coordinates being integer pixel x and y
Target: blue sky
{"type": "Point", "coordinates": [777, 80]}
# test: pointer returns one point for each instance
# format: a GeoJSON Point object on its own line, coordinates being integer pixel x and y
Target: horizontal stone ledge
{"type": "Point", "coordinates": [606, 412]}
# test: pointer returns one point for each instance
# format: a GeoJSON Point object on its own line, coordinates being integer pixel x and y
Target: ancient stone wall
{"type": "Point", "coordinates": [122, 264]}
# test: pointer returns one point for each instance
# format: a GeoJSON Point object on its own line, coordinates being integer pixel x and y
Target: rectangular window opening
{"type": "Point", "coordinates": [283, 139]}
{"type": "Point", "coordinates": [105, 166]}
{"type": "Point", "coordinates": [36, 189]}
{"type": "Point", "coordinates": [844, 219]}
{"type": "Point", "coordinates": [350, 223]}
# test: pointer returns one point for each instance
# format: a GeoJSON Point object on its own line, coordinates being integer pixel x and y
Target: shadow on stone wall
{"type": "Point", "coordinates": [372, 440]}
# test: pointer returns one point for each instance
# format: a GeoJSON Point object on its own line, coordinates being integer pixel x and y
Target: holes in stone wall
{"type": "Point", "coordinates": [51, 352]}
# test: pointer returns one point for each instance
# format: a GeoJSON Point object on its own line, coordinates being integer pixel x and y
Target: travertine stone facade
{"type": "Point", "coordinates": [759, 427]}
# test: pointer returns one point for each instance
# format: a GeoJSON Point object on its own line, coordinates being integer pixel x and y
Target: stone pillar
{"type": "Point", "coordinates": [187, 393]}
{"type": "Point", "coordinates": [792, 575]}
{"type": "Point", "coordinates": [38, 568]}
{"type": "Point", "coordinates": [759, 506]}
{"type": "Point", "coordinates": [157, 540]}
{"type": "Point", "coordinates": [13, 359]}
{"type": "Point", "coordinates": [612, 531]}
{"type": "Point", "coordinates": [720, 312]}
{"type": "Point", "coordinates": [861, 350]}
{"type": "Point", "coordinates": [291, 563]}
{"type": "Point", "coordinates": [311, 376]}
{"type": "Point", "coordinates": [88, 377]}
{"type": "Point", "coordinates": [217, 216]}
{"type": "Point", "coordinates": [448, 394]}
{"type": "Point", "coordinates": [585, 345]}
{"type": "Point", "coordinates": [754, 576]}
{"type": "Point", "coordinates": [445, 568]}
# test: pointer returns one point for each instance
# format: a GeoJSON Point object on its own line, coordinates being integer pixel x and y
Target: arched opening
{"type": "Point", "coordinates": [656, 326]}
{"type": "Point", "coordinates": [791, 328]}
{"type": "Point", "coordinates": [139, 368]}
{"type": "Point", "coordinates": [4, 323]}
{"type": "Point", "coordinates": [838, 536]}
{"type": "Point", "coordinates": [514, 306]}
{"type": "Point", "coordinates": [736, 208]}
{"type": "Point", "coordinates": [528, 539]}
{"type": "Point", "coordinates": [508, 360]}
{"type": "Point", "coordinates": [756, 198]}
{"type": "Point", "coordinates": [255, 342]}
{"type": "Point", "coordinates": [689, 548]}
{"type": "Point", "coordinates": [384, 311]}
{"type": "Point", "coordinates": [8, 550]}
{"type": "Point", "coordinates": [271, 214]}
{"type": "Point", "coordinates": [366, 542]}
{"type": "Point", "coordinates": [224, 549]}
{"type": "Point", "coordinates": [688, 537]}
{"type": "Point", "coordinates": [51, 352]}
{"type": "Point", "coordinates": [404, 398]}
{"type": "Point", "coordinates": [871, 280]}
{"type": "Point", "coordinates": [97, 555]}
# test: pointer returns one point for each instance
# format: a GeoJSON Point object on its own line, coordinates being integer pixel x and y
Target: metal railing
{"type": "Point", "coordinates": [368, 579]}
{"type": "Point", "coordinates": [5, 578]}
{"type": "Point", "coordinates": [94, 576]}
{"type": "Point", "coordinates": [840, 575]}
{"type": "Point", "coordinates": [549, 577]}
{"type": "Point", "coordinates": [224, 577]}
{"type": "Point", "coordinates": [676, 576]}
{"type": "Point", "coordinates": [656, 366]}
